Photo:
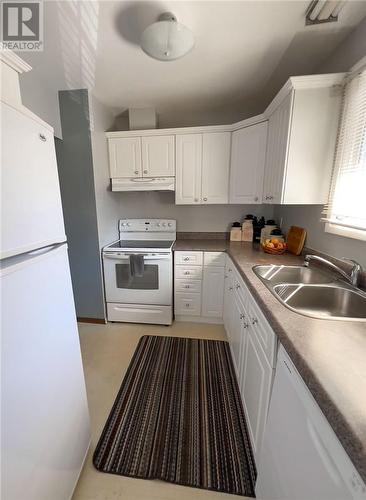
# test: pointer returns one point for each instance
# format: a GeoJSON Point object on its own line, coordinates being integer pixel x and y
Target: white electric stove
{"type": "Point", "coordinates": [146, 296]}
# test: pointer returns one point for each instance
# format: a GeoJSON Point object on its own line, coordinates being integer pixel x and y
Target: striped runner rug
{"type": "Point", "coordinates": [178, 417]}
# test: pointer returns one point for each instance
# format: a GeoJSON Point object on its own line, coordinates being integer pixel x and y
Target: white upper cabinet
{"type": "Point", "coordinates": [215, 167]}
{"type": "Point", "coordinates": [202, 168]}
{"type": "Point", "coordinates": [142, 156]}
{"type": "Point", "coordinates": [302, 131]}
{"type": "Point", "coordinates": [248, 153]}
{"type": "Point", "coordinates": [158, 156]}
{"type": "Point", "coordinates": [125, 157]}
{"type": "Point", "coordinates": [188, 169]}
{"type": "Point", "coordinates": [278, 131]}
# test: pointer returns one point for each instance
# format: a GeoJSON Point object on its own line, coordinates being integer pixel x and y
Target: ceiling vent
{"type": "Point", "coordinates": [323, 11]}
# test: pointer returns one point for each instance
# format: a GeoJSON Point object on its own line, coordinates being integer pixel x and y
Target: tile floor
{"type": "Point", "coordinates": [106, 352]}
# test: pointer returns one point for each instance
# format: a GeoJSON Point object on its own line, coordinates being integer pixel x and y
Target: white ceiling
{"type": "Point", "coordinates": [244, 52]}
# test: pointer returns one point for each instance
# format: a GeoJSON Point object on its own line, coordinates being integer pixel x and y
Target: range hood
{"type": "Point", "coordinates": [143, 184]}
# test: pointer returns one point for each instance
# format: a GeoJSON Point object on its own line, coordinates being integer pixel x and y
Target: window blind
{"type": "Point", "coordinates": [347, 197]}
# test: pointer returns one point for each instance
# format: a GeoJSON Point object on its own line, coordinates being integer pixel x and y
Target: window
{"type": "Point", "coordinates": [346, 210]}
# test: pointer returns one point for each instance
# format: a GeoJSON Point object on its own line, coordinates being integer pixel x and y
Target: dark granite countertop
{"type": "Point", "coordinates": [330, 355]}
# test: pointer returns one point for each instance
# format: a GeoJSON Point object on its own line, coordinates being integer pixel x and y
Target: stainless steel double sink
{"type": "Point", "coordinates": [313, 292]}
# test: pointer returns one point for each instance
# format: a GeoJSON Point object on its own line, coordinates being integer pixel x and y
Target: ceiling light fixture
{"type": "Point", "coordinates": [323, 11]}
{"type": "Point", "coordinates": [167, 39]}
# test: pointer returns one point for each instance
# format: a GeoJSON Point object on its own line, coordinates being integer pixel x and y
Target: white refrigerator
{"type": "Point", "coordinates": [45, 432]}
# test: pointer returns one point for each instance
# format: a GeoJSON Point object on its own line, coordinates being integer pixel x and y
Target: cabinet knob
{"type": "Point", "coordinates": [136, 172]}
{"type": "Point", "coordinates": [242, 316]}
{"type": "Point", "coordinates": [196, 200]}
{"type": "Point", "coordinates": [254, 321]}
{"type": "Point", "coordinates": [204, 199]}
{"type": "Point", "coordinates": [270, 197]}
{"type": "Point", "coordinates": [267, 197]}
{"type": "Point", "coordinates": [256, 198]}
{"type": "Point", "coordinates": [42, 137]}
{"type": "Point", "coordinates": [245, 325]}
{"type": "Point", "coordinates": [231, 288]}
{"type": "Point", "coordinates": [145, 172]}
{"type": "Point", "coordinates": [237, 286]}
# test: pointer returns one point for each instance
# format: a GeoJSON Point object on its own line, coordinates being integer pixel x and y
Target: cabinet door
{"type": "Point", "coordinates": [213, 291]}
{"type": "Point", "coordinates": [215, 167]}
{"type": "Point", "coordinates": [228, 299]}
{"type": "Point", "coordinates": [248, 153]}
{"type": "Point", "coordinates": [125, 157]}
{"type": "Point", "coordinates": [239, 333]}
{"type": "Point", "coordinates": [276, 155]}
{"type": "Point", "coordinates": [158, 156]}
{"type": "Point", "coordinates": [255, 387]}
{"type": "Point", "coordinates": [188, 169]}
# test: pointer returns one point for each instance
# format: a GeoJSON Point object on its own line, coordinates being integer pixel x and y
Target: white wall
{"type": "Point", "coordinates": [107, 204]}
{"type": "Point", "coordinates": [42, 99]}
{"type": "Point", "coordinates": [190, 218]}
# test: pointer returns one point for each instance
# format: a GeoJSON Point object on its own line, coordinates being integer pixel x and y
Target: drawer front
{"type": "Point", "coordinates": [214, 259]}
{"type": "Point", "coordinates": [190, 286]}
{"type": "Point", "coordinates": [263, 331]}
{"type": "Point", "coordinates": [187, 272]}
{"type": "Point", "coordinates": [189, 258]}
{"type": "Point", "coordinates": [188, 303]}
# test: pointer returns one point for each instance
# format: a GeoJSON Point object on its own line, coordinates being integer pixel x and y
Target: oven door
{"type": "Point", "coordinates": [153, 287]}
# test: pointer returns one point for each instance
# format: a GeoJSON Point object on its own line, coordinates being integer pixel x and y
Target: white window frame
{"type": "Point", "coordinates": [339, 229]}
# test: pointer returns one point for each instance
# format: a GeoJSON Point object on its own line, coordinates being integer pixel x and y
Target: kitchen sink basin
{"type": "Point", "coordinates": [328, 301]}
{"type": "Point", "coordinates": [313, 293]}
{"type": "Point", "coordinates": [291, 274]}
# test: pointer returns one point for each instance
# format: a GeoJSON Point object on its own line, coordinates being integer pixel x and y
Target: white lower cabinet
{"type": "Point", "coordinates": [253, 347]}
{"type": "Point", "coordinates": [199, 286]}
{"type": "Point", "coordinates": [213, 291]}
{"type": "Point", "coordinates": [255, 386]}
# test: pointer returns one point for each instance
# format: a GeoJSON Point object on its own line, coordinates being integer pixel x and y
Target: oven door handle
{"type": "Point", "coordinates": [125, 256]}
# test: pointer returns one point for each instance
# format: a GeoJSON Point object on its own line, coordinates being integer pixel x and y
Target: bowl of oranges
{"type": "Point", "coordinates": [274, 246]}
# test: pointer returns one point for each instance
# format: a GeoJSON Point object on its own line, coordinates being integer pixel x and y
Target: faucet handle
{"type": "Point", "coordinates": [355, 271]}
{"type": "Point", "coordinates": [352, 261]}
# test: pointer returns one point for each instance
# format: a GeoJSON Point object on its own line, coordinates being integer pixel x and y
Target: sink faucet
{"type": "Point", "coordinates": [353, 277]}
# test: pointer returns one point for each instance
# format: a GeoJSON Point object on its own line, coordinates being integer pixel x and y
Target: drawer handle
{"type": "Point", "coordinates": [42, 137]}
{"type": "Point", "coordinates": [187, 305]}
{"type": "Point", "coordinates": [186, 286]}
{"type": "Point", "coordinates": [187, 273]}
{"type": "Point", "coordinates": [186, 258]}
{"type": "Point", "coordinates": [254, 321]}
